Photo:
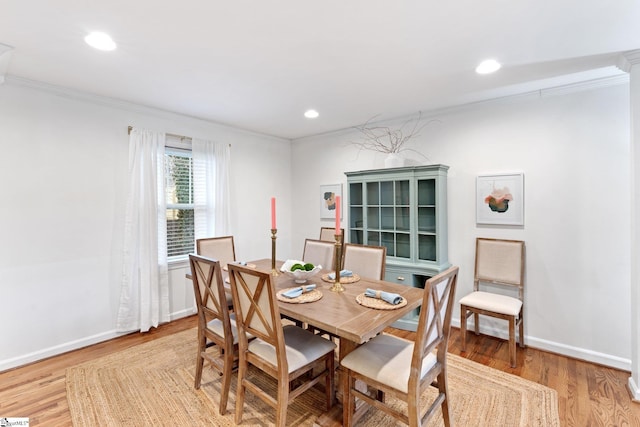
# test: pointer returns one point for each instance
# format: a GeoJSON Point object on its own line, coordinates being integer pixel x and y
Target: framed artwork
{"type": "Point", "coordinates": [328, 195]}
{"type": "Point", "coordinates": [500, 199]}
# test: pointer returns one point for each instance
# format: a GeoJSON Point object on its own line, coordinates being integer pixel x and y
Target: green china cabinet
{"type": "Point", "coordinates": [405, 210]}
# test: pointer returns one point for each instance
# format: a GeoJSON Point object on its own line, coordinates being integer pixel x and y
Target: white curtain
{"type": "Point", "coordinates": [211, 188]}
{"type": "Point", "coordinates": [144, 301]}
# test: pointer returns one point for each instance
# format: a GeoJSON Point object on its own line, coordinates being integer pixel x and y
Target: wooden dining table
{"type": "Point", "coordinates": [338, 312]}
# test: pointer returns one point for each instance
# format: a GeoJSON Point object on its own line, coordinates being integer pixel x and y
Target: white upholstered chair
{"type": "Point", "coordinates": [403, 368]}
{"type": "Point", "coordinates": [221, 249]}
{"type": "Point", "coordinates": [218, 248]}
{"type": "Point", "coordinates": [319, 252]}
{"type": "Point", "coordinates": [498, 262]}
{"type": "Point", "coordinates": [286, 353]}
{"type": "Point", "coordinates": [217, 334]}
{"type": "Point", "coordinates": [366, 261]}
{"type": "Point", "coordinates": [328, 234]}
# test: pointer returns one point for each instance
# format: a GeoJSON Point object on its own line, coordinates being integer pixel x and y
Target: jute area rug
{"type": "Point", "coordinates": [151, 384]}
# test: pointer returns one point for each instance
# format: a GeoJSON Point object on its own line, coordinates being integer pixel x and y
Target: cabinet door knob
{"type": "Point", "coordinates": [400, 278]}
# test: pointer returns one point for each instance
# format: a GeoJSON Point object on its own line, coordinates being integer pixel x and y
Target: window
{"type": "Point", "coordinates": [178, 175]}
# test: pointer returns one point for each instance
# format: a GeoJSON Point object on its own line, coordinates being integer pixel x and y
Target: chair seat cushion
{"type": "Point", "coordinates": [216, 327]}
{"type": "Point", "coordinates": [493, 302]}
{"type": "Point", "coordinates": [386, 359]}
{"type": "Point", "coordinates": [302, 346]}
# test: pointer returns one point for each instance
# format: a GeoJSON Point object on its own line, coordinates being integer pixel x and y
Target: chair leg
{"type": "Point", "coordinates": [199, 362]}
{"type": "Point", "coordinates": [283, 401]}
{"type": "Point", "coordinates": [348, 400]}
{"type": "Point", "coordinates": [512, 341]}
{"type": "Point", "coordinates": [226, 381]}
{"type": "Point", "coordinates": [476, 323]}
{"type": "Point", "coordinates": [242, 371]}
{"type": "Point", "coordinates": [443, 388]}
{"type": "Point", "coordinates": [521, 331]}
{"type": "Point", "coordinates": [329, 388]}
{"type": "Point", "coordinates": [463, 328]}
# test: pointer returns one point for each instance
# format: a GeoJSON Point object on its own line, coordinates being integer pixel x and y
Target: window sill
{"type": "Point", "coordinates": [178, 263]}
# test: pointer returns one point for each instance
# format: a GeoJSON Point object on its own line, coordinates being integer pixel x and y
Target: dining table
{"type": "Point", "coordinates": [339, 313]}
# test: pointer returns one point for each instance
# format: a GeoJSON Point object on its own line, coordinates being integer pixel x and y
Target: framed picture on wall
{"type": "Point", "coordinates": [328, 195]}
{"type": "Point", "coordinates": [500, 199]}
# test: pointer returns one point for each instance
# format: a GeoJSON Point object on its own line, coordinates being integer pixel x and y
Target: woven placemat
{"type": "Point", "coordinates": [350, 279]}
{"type": "Point", "coordinates": [379, 304]}
{"type": "Point", "coordinates": [311, 296]}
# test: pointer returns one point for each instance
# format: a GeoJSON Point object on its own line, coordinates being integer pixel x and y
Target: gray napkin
{"type": "Point", "coordinates": [296, 292]}
{"type": "Point", "coordinates": [343, 273]}
{"type": "Point", "coordinates": [389, 297]}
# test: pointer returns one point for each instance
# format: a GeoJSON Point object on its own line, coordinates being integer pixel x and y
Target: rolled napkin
{"type": "Point", "coordinates": [385, 296]}
{"type": "Point", "coordinates": [296, 292]}
{"type": "Point", "coordinates": [343, 273]}
{"type": "Point", "coordinates": [225, 268]}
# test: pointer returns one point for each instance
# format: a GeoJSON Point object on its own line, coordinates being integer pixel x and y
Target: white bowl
{"type": "Point", "coordinates": [300, 276]}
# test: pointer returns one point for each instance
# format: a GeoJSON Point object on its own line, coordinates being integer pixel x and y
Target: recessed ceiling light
{"type": "Point", "coordinates": [100, 41]}
{"type": "Point", "coordinates": [311, 114]}
{"type": "Point", "coordinates": [488, 66]}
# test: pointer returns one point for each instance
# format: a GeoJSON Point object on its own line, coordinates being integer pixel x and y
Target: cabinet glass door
{"type": "Point", "coordinates": [388, 216]}
{"type": "Point", "coordinates": [356, 220]}
{"type": "Point", "coordinates": [427, 219]}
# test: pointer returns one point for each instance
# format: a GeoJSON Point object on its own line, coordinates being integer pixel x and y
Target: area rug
{"type": "Point", "coordinates": [151, 384]}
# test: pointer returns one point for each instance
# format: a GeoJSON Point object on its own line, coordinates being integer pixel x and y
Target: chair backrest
{"type": "Point", "coordinates": [208, 287]}
{"type": "Point", "coordinates": [365, 260]}
{"type": "Point", "coordinates": [499, 262]}
{"type": "Point", "coordinates": [319, 252]}
{"type": "Point", "coordinates": [219, 248]}
{"type": "Point", "coordinates": [434, 322]}
{"type": "Point", "coordinates": [328, 234]}
{"type": "Point", "coordinates": [256, 309]}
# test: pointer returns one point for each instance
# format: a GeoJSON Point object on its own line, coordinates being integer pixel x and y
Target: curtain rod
{"type": "Point", "coordinates": [130, 128]}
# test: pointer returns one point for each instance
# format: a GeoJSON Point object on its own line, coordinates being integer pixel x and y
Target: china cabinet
{"type": "Point", "coordinates": [405, 210]}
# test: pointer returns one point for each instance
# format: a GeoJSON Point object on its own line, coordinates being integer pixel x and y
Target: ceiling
{"type": "Point", "coordinates": [258, 65]}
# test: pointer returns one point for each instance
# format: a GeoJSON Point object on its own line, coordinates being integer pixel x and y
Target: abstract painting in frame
{"type": "Point", "coordinates": [328, 195]}
{"type": "Point", "coordinates": [500, 199]}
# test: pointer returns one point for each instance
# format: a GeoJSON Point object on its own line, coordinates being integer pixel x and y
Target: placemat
{"type": "Point", "coordinates": [350, 279]}
{"type": "Point", "coordinates": [379, 304]}
{"type": "Point", "coordinates": [311, 296]}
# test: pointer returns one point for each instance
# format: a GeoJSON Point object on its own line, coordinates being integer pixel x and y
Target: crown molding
{"type": "Point", "coordinates": [628, 59]}
{"type": "Point", "coordinates": [65, 92]}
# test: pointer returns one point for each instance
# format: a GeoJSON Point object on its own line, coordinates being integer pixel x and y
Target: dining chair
{"type": "Point", "coordinates": [366, 260]}
{"type": "Point", "coordinates": [328, 234]}
{"type": "Point", "coordinates": [499, 264]}
{"type": "Point", "coordinates": [403, 368]}
{"type": "Point", "coordinates": [218, 248]}
{"type": "Point", "coordinates": [319, 252]}
{"type": "Point", "coordinates": [285, 353]}
{"type": "Point", "coordinates": [217, 333]}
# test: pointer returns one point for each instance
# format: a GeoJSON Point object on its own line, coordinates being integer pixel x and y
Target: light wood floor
{"type": "Point", "coordinates": [588, 394]}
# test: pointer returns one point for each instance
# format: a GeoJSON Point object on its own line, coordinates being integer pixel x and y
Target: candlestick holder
{"type": "Point", "coordinates": [337, 286]}
{"type": "Point", "coordinates": [274, 272]}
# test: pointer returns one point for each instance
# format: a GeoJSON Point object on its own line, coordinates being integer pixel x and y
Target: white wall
{"type": "Point", "coordinates": [64, 168]}
{"type": "Point", "coordinates": [574, 151]}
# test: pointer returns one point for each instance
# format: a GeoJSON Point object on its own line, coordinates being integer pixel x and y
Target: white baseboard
{"type": "Point", "coordinates": [633, 390]}
{"type": "Point", "coordinates": [74, 345]}
{"type": "Point", "coordinates": [555, 347]}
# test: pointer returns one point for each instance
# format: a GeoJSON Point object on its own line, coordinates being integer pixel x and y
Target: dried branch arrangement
{"type": "Point", "coordinates": [383, 139]}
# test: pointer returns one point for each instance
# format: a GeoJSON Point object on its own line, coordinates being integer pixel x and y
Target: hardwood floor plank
{"type": "Point", "coordinates": [588, 394]}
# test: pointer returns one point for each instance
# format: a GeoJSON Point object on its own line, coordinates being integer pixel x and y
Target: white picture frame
{"type": "Point", "coordinates": [500, 199]}
{"type": "Point", "coordinates": [327, 201]}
